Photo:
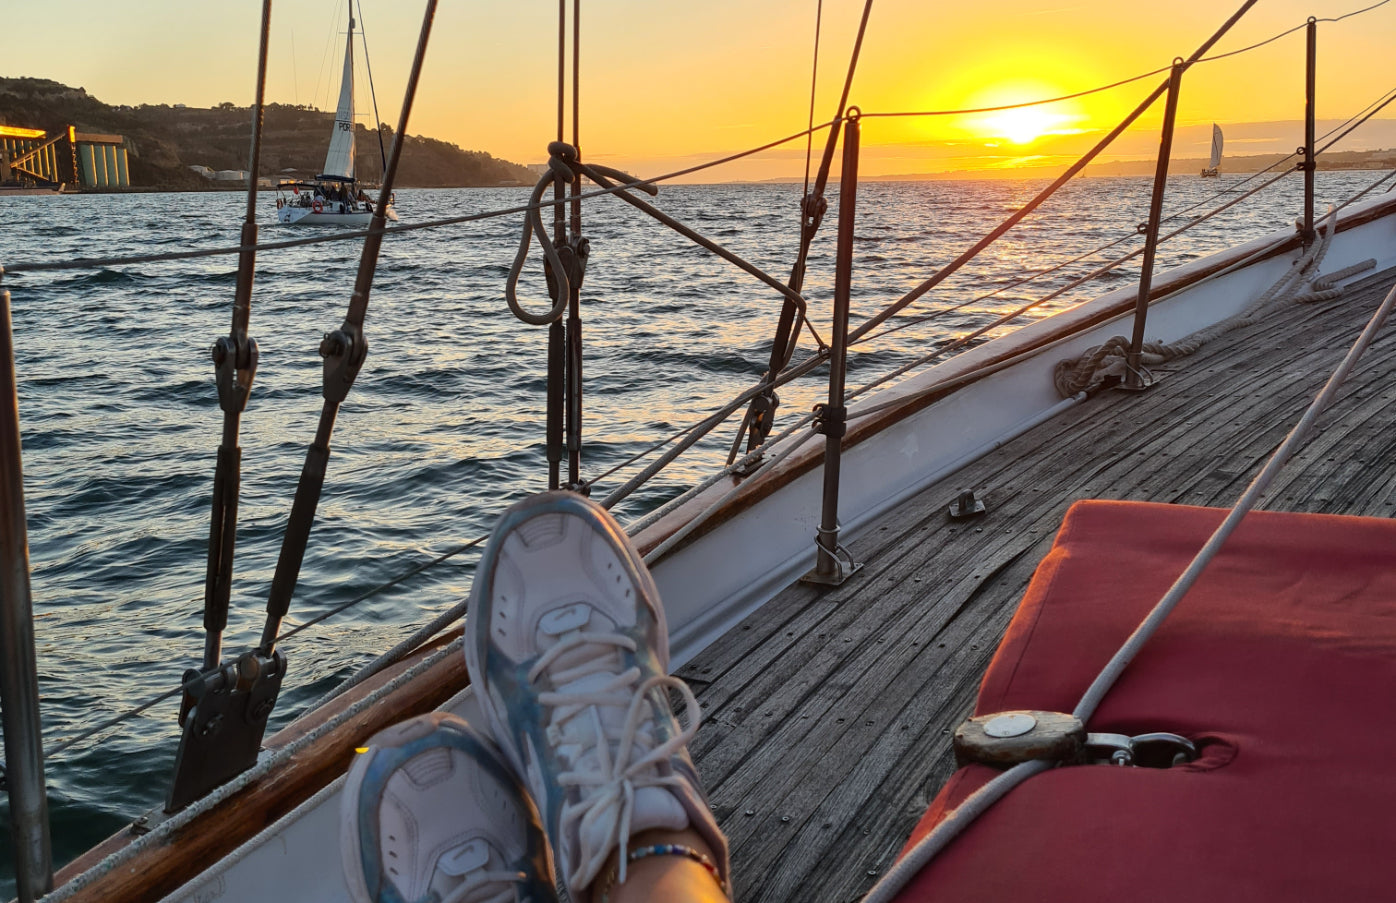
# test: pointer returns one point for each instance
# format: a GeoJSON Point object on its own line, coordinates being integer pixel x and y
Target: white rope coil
{"type": "Point", "coordinates": [1301, 283]}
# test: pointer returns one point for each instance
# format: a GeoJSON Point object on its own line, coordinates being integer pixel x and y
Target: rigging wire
{"type": "Point", "coordinates": [321, 78]}
{"type": "Point", "coordinates": [368, 67]}
{"type": "Point", "coordinates": [1105, 268]}
{"type": "Point", "coordinates": [93, 263]}
{"type": "Point", "coordinates": [1271, 40]}
{"type": "Point", "coordinates": [1349, 129]}
{"type": "Point", "coordinates": [1350, 124]}
{"type": "Point", "coordinates": [813, 85]}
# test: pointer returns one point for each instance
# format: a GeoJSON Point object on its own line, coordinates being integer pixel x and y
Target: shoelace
{"type": "Point", "coordinates": [480, 879]}
{"type": "Point", "coordinates": [618, 777]}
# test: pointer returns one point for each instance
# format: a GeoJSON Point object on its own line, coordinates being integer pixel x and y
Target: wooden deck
{"type": "Point", "coordinates": [828, 713]}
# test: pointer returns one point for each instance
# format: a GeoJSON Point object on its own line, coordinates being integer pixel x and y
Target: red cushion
{"type": "Point", "coordinates": [1281, 662]}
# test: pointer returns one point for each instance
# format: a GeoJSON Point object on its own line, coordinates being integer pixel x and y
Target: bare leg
{"type": "Point", "coordinates": [672, 879]}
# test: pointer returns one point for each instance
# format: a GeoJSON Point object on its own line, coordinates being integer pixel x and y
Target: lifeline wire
{"type": "Point", "coordinates": [1345, 128]}
{"type": "Point", "coordinates": [1358, 12]}
{"type": "Point", "coordinates": [1122, 82]}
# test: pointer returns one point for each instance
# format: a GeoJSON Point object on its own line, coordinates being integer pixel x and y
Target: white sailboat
{"type": "Point", "coordinates": [1212, 171]}
{"type": "Point", "coordinates": [332, 198]}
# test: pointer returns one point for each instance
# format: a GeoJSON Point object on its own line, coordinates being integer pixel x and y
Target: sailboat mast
{"type": "Point", "coordinates": [339, 160]}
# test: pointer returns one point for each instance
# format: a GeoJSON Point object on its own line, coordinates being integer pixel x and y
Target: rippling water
{"type": "Point", "coordinates": [444, 425]}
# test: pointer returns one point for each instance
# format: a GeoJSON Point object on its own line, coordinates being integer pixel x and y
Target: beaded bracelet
{"type": "Point", "coordinates": [663, 849]}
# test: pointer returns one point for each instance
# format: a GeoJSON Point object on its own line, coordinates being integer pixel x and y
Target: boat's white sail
{"type": "Point", "coordinates": [339, 160]}
{"type": "Point", "coordinates": [1215, 160]}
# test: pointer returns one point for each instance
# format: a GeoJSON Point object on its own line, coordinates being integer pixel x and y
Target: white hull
{"type": "Point", "coordinates": [307, 216]}
{"type": "Point", "coordinates": [747, 557]}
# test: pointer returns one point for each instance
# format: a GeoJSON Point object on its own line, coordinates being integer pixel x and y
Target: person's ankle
{"type": "Point", "coordinates": [662, 865]}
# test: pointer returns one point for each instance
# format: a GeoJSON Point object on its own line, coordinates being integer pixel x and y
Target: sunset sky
{"type": "Point", "coordinates": [666, 85]}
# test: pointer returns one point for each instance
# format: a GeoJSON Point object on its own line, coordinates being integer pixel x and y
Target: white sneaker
{"type": "Point", "coordinates": [432, 814]}
{"type": "Point", "coordinates": [567, 648]}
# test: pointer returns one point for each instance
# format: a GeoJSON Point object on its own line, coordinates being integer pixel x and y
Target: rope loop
{"type": "Point", "coordinates": [557, 271]}
{"type": "Point", "coordinates": [1104, 364]}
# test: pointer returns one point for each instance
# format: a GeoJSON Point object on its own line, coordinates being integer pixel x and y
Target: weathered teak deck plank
{"type": "Point", "coordinates": [828, 713]}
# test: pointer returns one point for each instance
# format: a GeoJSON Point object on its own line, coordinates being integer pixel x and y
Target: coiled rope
{"type": "Point", "coordinates": [1300, 282]}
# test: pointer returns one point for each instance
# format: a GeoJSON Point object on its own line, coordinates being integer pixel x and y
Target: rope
{"type": "Point", "coordinates": [1106, 361]}
{"type": "Point", "coordinates": [958, 819]}
{"type": "Point", "coordinates": [1290, 31]}
{"type": "Point", "coordinates": [602, 175]}
{"type": "Point", "coordinates": [1019, 106]}
{"type": "Point", "coordinates": [559, 282]}
{"type": "Point", "coordinates": [1107, 267]}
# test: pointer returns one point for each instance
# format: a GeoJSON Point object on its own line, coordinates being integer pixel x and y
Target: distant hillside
{"type": "Point", "coordinates": [164, 141]}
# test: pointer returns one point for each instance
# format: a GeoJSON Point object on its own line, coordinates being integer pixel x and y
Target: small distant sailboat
{"type": "Point", "coordinates": [333, 198]}
{"type": "Point", "coordinates": [1211, 172]}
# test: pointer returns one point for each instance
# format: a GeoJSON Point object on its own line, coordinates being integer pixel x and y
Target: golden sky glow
{"type": "Point", "coordinates": [666, 85]}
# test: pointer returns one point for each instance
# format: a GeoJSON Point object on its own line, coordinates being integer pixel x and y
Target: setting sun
{"type": "Point", "coordinates": [1021, 126]}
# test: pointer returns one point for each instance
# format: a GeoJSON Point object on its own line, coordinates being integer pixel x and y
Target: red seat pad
{"type": "Point", "coordinates": [1280, 662]}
